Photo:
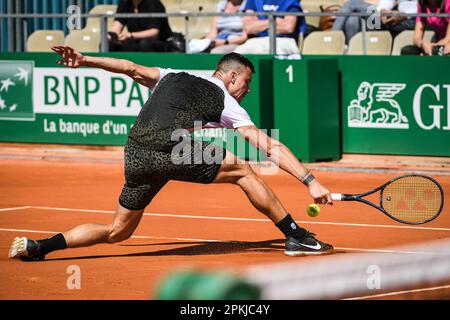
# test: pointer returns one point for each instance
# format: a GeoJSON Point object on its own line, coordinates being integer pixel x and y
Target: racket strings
{"type": "Point", "coordinates": [412, 199]}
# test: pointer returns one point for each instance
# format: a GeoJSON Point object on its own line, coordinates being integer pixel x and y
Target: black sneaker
{"type": "Point", "coordinates": [309, 245]}
{"type": "Point", "coordinates": [25, 249]}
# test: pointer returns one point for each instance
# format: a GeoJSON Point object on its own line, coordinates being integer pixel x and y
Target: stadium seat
{"type": "Point", "coordinates": [43, 40]}
{"type": "Point", "coordinates": [84, 41]}
{"type": "Point", "coordinates": [171, 3]}
{"type": "Point", "coordinates": [405, 38]}
{"type": "Point", "coordinates": [324, 42]}
{"type": "Point", "coordinates": [176, 23]}
{"type": "Point", "coordinates": [378, 43]}
{"type": "Point", "coordinates": [198, 26]}
{"type": "Point", "coordinates": [200, 5]}
{"type": "Point", "coordinates": [93, 24]}
{"type": "Point", "coordinates": [201, 28]}
{"type": "Point", "coordinates": [203, 25]}
{"type": "Point", "coordinates": [311, 7]}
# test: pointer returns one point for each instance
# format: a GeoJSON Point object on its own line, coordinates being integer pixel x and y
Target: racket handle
{"type": "Point", "coordinates": [336, 196]}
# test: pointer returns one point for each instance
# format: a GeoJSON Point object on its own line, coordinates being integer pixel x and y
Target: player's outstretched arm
{"type": "Point", "coordinates": [286, 160]}
{"type": "Point", "coordinates": [147, 76]}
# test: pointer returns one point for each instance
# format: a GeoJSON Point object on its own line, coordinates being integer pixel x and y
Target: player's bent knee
{"type": "Point", "coordinates": [233, 173]}
{"type": "Point", "coordinates": [118, 235]}
{"type": "Point", "coordinates": [246, 173]}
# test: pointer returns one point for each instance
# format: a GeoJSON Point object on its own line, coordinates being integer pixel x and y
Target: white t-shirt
{"type": "Point", "coordinates": [233, 115]}
{"type": "Point", "coordinates": [404, 6]}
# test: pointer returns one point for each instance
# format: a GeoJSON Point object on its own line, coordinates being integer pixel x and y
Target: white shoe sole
{"type": "Point", "coordinates": [18, 247]}
{"type": "Point", "coordinates": [307, 253]}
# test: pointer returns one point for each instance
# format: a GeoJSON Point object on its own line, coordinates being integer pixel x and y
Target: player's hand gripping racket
{"type": "Point", "coordinates": [410, 199]}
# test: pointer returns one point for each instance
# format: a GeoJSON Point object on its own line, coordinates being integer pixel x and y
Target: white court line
{"type": "Point", "coordinates": [210, 240]}
{"type": "Point", "coordinates": [385, 251]}
{"type": "Point", "coordinates": [72, 209]}
{"type": "Point", "coordinates": [376, 225]}
{"type": "Point", "coordinates": [178, 239]}
{"type": "Point", "coordinates": [134, 237]}
{"type": "Point", "coordinates": [15, 208]}
{"type": "Point", "coordinates": [250, 219]}
{"type": "Point", "coordinates": [27, 231]}
{"type": "Point", "coordinates": [398, 293]}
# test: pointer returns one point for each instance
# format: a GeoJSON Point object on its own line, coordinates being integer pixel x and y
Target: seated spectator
{"type": "Point", "coordinates": [325, 22]}
{"type": "Point", "coordinates": [351, 25]}
{"type": "Point", "coordinates": [288, 28]}
{"type": "Point", "coordinates": [143, 34]}
{"type": "Point", "coordinates": [226, 33]}
{"type": "Point", "coordinates": [397, 24]}
{"type": "Point", "coordinates": [440, 45]}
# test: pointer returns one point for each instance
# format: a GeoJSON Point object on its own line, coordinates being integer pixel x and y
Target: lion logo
{"type": "Point", "coordinates": [376, 108]}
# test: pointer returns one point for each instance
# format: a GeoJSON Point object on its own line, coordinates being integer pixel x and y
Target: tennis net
{"type": "Point", "coordinates": [355, 274]}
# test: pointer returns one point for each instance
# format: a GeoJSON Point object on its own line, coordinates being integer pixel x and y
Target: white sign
{"type": "Point", "coordinates": [89, 91]}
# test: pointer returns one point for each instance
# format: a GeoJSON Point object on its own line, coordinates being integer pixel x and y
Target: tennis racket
{"type": "Point", "coordinates": [410, 199]}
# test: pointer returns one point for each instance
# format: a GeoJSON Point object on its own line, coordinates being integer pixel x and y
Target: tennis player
{"type": "Point", "coordinates": [153, 156]}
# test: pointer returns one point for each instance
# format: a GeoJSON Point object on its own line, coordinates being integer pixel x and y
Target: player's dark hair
{"type": "Point", "coordinates": [234, 58]}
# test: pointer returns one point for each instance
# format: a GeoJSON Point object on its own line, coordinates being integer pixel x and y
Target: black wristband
{"type": "Point", "coordinates": [308, 179]}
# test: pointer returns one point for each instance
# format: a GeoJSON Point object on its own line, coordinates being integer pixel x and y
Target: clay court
{"type": "Point", "coordinates": [50, 189]}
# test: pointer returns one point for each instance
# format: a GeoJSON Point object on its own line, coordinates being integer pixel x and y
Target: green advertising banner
{"type": "Point", "coordinates": [396, 105]}
{"type": "Point", "coordinates": [388, 105]}
{"type": "Point", "coordinates": [92, 106]}
{"type": "Point", "coordinates": [16, 90]}
{"type": "Point", "coordinates": [62, 105]}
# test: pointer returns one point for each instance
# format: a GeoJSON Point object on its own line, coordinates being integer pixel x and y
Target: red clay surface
{"type": "Point", "coordinates": [51, 191]}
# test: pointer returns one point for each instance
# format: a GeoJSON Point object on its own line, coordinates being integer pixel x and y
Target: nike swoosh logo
{"type": "Point", "coordinates": [315, 247]}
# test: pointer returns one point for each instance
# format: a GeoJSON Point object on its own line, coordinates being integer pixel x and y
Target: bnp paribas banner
{"type": "Point", "coordinates": [62, 105]}
{"type": "Point", "coordinates": [16, 90]}
{"type": "Point", "coordinates": [398, 105]}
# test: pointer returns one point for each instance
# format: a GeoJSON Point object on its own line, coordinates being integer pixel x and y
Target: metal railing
{"type": "Point", "coordinates": [16, 37]}
{"type": "Point", "coordinates": [23, 17]}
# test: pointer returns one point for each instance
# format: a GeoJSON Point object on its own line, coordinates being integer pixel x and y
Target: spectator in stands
{"type": "Point", "coordinates": [288, 27]}
{"type": "Point", "coordinates": [440, 45]}
{"type": "Point", "coordinates": [351, 25]}
{"type": "Point", "coordinates": [143, 34]}
{"type": "Point", "coordinates": [226, 33]}
{"type": "Point", "coordinates": [397, 24]}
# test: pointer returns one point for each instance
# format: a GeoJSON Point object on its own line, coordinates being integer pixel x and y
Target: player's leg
{"type": "Point", "coordinates": [121, 228]}
{"type": "Point", "coordinates": [140, 188]}
{"type": "Point", "coordinates": [260, 195]}
{"type": "Point", "coordinates": [299, 241]}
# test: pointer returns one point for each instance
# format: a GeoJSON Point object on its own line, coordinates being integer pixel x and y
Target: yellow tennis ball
{"type": "Point", "coordinates": [313, 210]}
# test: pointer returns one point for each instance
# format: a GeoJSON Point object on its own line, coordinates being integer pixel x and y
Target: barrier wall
{"type": "Point", "coordinates": [398, 105]}
{"type": "Point", "coordinates": [306, 107]}
{"type": "Point", "coordinates": [384, 105]}
{"type": "Point", "coordinates": [394, 105]}
{"type": "Point", "coordinates": [51, 104]}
